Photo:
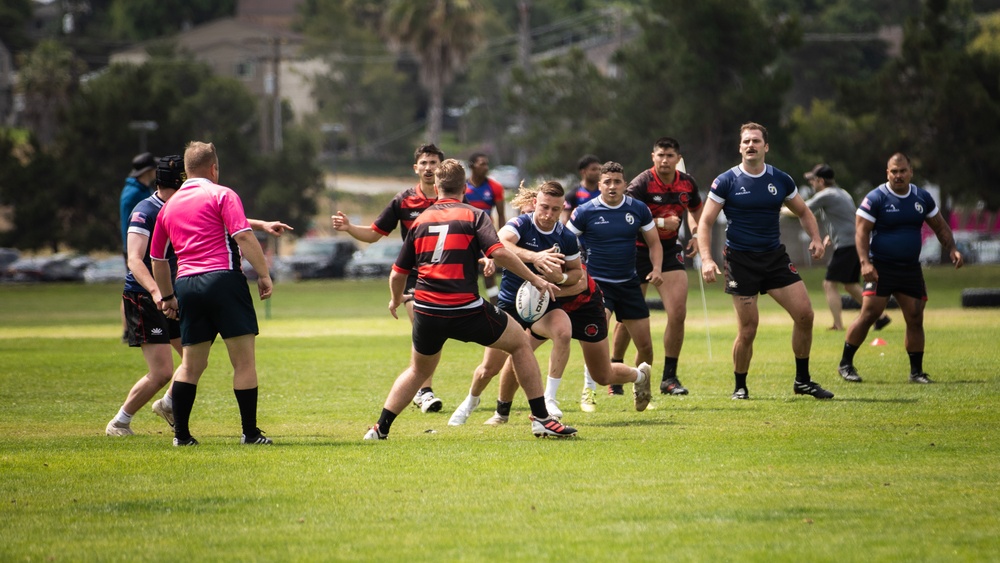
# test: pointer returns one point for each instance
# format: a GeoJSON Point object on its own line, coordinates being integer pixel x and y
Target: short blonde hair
{"type": "Point", "coordinates": [199, 158]}
{"type": "Point", "coordinates": [450, 177]}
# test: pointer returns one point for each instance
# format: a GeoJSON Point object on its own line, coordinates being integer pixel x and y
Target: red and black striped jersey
{"type": "Point", "coordinates": [404, 208]}
{"type": "Point", "coordinates": [444, 245]}
{"type": "Point", "coordinates": [664, 199]}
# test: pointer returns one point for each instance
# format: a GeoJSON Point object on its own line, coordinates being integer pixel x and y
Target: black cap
{"type": "Point", "coordinates": [142, 163]}
{"type": "Point", "coordinates": [820, 171]}
{"type": "Point", "coordinates": [170, 172]}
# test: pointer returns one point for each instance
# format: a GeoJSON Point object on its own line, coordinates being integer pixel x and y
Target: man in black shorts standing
{"type": "Point", "coordinates": [444, 245]}
{"type": "Point", "coordinates": [889, 220]}
{"type": "Point", "coordinates": [752, 194]}
{"type": "Point", "coordinates": [207, 228]}
{"type": "Point", "coordinates": [837, 207]}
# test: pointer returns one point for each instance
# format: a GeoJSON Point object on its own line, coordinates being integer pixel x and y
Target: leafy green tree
{"type": "Point", "coordinates": [79, 180]}
{"type": "Point", "coordinates": [937, 102]}
{"type": "Point", "coordinates": [363, 92]}
{"type": "Point", "coordinates": [139, 20]}
{"type": "Point", "coordinates": [696, 72]}
{"type": "Point", "coordinates": [14, 18]}
{"type": "Point", "coordinates": [48, 76]}
{"type": "Point", "coordinates": [31, 180]}
{"type": "Point", "coordinates": [441, 35]}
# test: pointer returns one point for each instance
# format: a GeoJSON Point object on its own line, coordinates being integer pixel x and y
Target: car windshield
{"type": "Point", "coordinates": [314, 247]}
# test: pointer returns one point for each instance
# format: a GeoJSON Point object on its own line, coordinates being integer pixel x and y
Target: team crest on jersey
{"type": "Point", "coordinates": [918, 207]}
{"type": "Point", "coordinates": [791, 268]}
{"type": "Point", "coordinates": [590, 330]}
{"type": "Point", "coordinates": [414, 214]}
{"type": "Point", "coordinates": [772, 189]}
{"type": "Point", "coordinates": [684, 199]}
{"type": "Point", "coordinates": [657, 198]}
{"type": "Point", "coordinates": [629, 219]}
{"type": "Point", "coordinates": [556, 249]}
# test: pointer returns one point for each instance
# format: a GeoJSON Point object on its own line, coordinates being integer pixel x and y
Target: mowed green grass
{"type": "Point", "coordinates": [885, 471]}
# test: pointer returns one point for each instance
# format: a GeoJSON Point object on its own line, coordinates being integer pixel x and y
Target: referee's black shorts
{"type": "Point", "coordinates": [752, 273]}
{"type": "Point", "coordinates": [215, 303]}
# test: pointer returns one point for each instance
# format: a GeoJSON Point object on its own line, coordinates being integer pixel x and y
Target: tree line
{"type": "Point", "coordinates": [513, 79]}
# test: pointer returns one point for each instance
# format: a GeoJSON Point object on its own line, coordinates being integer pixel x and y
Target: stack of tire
{"type": "Point", "coordinates": [975, 297]}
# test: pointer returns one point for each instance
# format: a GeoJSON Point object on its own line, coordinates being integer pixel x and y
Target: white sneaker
{"type": "Point", "coordinates": [497, 419]}
{"type": "Point", "coordinates": [160, 408]}
{"type": "Point", "coordinates": [463, 411]}
{"type": "Point", "coordinates": [641, 393]}
{"type": "Point", "coordinates": [552, 406]}
{"type": "Point", "coordinates": [428, 402]}
{"type": "Point", "coordinates": [115, 428]}
{"type": "Point", "coordinates": [587, 402]}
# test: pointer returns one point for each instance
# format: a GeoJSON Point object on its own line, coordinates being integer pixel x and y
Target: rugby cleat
{"type": "Point", "coordinates": [741, 394]}
{"type": "Point", "coordinates": [162, 410]}
{"type": "Point", "coordinates": [920, 378]}
{"type": "Point", "coordinates": [189, 441]}
{"type": "Point", "coordinates": [497, 419]}
{"type": "Point", "coordinates": [258, 439]}
{"type": "Point", "coordinates": [811, 388]}
{"type": "Point", "coordinates": [641, 394]}
{"type": "Point", "coordinates": [115, 428]}
{"type": "Point", "coordinates": [374, 434]}
{"type": "Point", "coordinates": [587, 402]}
{"type": "Point", "coordinates": [672, 386]}
{"type": "Point", "coordinates": [849, 373]}
{"type": "Point", "coordinates": [551, 427]}
{"type": "Point", "coordinates": [882, 322]}
{"type": "Point", "coordinates": [428, 402]}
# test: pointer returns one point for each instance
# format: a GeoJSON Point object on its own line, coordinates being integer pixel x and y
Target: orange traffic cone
{"type": "Point", "coordinates": [878, 342]}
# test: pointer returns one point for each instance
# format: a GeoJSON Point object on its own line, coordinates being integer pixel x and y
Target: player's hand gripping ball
{"type": "Point", "coordinates": [530, 303]}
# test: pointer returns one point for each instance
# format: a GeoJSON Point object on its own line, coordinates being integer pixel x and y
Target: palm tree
{"type": "Point", "coordinates": [441, 35]}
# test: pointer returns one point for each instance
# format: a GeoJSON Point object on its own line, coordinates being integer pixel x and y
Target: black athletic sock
{"type": "Point", "coordinates": [385, 421]}
{"type": "Point", "coordinates": [618, 361]}
{"type": "Point", "coordinates": [538, 409]}
{"type": "Point", "coordinates": [247, 400]}
{"type": "Point", "coordinates": [847, 358]}
{"type": "Point", "coordinates": [741, 380]}
{"type": "Point", "coordinates": [183, 394]}
{"type": "Point", "coordinates": [802, 370]}
{"type": "Point", "coordinates": [669, 368]}
{"type": "Point", "coordinates": [916, 362]}
{"type": "Point", "coordinates": [503, 409]}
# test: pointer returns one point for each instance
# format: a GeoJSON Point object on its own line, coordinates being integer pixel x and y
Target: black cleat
{"type": "Point", "coordinates": [882, 321]}
{"type": "Point", "coordinates": [257, 439]}
{"type": "Point", "coordinates": [672, 386]}
{"type": "Point", "coordinates": [546, 427]}
{"type": "Point", "coordinates": [189, 441]}
{"type": "Point", "coordinates": [616, 390]}
{"type": "Point", "coordinates": [811, 388]}
{"type": "Point", "coordinates": [741, 394]}
{"type": "Point", "coordinates": [849, 373]}
{"type": "Point", "coordinates": [920, 378]}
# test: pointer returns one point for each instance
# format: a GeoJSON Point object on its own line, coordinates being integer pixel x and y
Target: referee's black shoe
{"type": "Point", "coordinates": [811, 388]}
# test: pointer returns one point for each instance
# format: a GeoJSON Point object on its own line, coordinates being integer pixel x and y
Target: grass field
{"type": "Point", "coordinates": [886, 471]}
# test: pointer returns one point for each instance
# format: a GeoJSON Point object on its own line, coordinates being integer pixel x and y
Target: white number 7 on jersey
{"type": "Point", "coordinates": [442, 233]}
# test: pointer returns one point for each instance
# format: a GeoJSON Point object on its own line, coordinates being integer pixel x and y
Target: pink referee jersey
{"type": "Point", "coordinates": [199, 222]}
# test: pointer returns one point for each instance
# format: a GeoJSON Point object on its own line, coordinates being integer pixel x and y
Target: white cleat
{"type": "Point", "coordinates": [463, 411]}
{"type": "Point", "coordinates": [428, 402]}
{"type": "Point", "coordinates": [162, 410]}
{"type": "Point", "coordinates": [497, 419]}
{"type": "Point", "coordinates": [587, 400]}
{"type": "Point", "coordinates": [641, 393]}
{"type": "Point", "coordinates": [115, 428]}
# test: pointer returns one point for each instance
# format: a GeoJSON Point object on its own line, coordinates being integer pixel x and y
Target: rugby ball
{"type": "Point", "coordinates": [530, 303]}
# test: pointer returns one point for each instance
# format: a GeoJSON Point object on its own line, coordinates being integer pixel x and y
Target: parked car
{"type": "Point", "coordinates": [930, 253]}
{"type": "Point", "coordinates": [7, 257]}
{"type": "Point", "coordinates": [277, 267]}
{"type": "Point", "coordinates": [107, 270]}
{"type": "Point", "coordinates": [58, 267]}
{"type": "Point", "coordinates": [376, 260]}
{"type": "Point", "coordinates": [321, 257]}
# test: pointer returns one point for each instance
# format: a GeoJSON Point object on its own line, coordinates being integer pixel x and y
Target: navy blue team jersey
{"type": "Point", "coordinates": [608, 234]}
{"type": "Point", "coordinates": [536, 240]}
{"type": "Point", "coordinates": [141, 221]}
{"type": "Point", "coordinates": [753, 205]}
{"type": "Point", "coordinates": [898, 220]}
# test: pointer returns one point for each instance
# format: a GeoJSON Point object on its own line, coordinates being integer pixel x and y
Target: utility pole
{"type": "Point", "coordinates": [278, 137]}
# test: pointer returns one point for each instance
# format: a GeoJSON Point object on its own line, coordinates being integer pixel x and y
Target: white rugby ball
{"type": "Point", "coordinates": [531, 303]}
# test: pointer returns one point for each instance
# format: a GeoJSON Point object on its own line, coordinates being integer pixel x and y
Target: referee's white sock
{"type": "Point", "coordinates": [551, 387]}
{"type": "Point", "coordinates": [588, 381]}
